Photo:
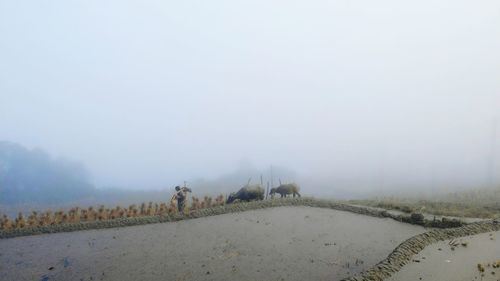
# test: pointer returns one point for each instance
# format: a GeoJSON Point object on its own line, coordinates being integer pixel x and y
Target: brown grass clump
{"type": "Point", "coordinates": [156, 209]}
{"type": "Point", "coordinates": [480, 267]}
{"type": "Point", "coordinates": [85, 215]}
{"type": "Point", "coordinates": [92, 214]}
{"type": "Point", "coordinates": [6, 223]}
{"type": "Point", "coordinates": [219, 200]}
{"type": "Point", "coordinates": [114, 213]}
{"type": "Point", "coordinates": [132, 211]}
{"type": "Point", "coordinates": [195, 204]}
{"type": "Point", "coordinates": [58, 217]}
{"type": "Point", "coordinates": [74, 215]}
{"type": "Point", "coordinates": [208, 201]}
{"type": "Point", "coordinates": [20, 221]}
{"type": "Point", "coordinates": [150, 209]}
{"type": "Point", "coordinates": [172, 208]}
{"type": "Point", "coordinates": [102, 213]}
{"type": "Point", "coordinates": [46, 218]}
{"type": "Point", "coordinates": [163, 209]}
{"type": "Point", "coordinates": [33, 219]}
{"type": "Point", "coordinates": [142, 211]}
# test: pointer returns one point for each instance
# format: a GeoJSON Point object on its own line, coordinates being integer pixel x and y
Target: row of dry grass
{"type": "Point", "coordinates": [91, 214]}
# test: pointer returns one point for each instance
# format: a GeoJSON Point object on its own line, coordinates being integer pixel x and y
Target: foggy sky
{"type": "Point", "coordinates": [149, 93]}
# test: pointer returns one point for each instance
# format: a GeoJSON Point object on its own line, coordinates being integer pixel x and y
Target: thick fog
{"type": "Point", "coordinates": [355, 95]}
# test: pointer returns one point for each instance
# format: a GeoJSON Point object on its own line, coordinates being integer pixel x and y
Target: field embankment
{"type": "Point", "coordinates": [474, 203]}
{"type": "Point", "coordinates": [167, 216]}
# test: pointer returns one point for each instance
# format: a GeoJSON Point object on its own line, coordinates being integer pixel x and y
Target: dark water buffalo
{"type": "Point", "coordinates": [285, 189]}
{"type": "Point", "coordinates": [247, 193]}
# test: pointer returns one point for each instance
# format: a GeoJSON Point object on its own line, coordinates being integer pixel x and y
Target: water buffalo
{"type": "Point", "coordinates": [285, 189]}
{"type": "Point", "coordinates": [247, 193]}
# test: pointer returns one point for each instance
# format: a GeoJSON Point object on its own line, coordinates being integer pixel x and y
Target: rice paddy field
{"type": "Point", "coordinates": [475, 257]}
{"type": "Point", "coordinates": [283, 243]}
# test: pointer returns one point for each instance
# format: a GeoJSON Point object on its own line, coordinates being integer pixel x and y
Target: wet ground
{"type": "Point", "coordinates": [456, 260]}
{"type": "Point", "coordinates": [286, 243]}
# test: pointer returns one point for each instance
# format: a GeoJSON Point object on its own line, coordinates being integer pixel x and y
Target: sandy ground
{"type": "Point", "coordinates": [286, 243]}
{"type": "Point", "coordinates": [439, 262]}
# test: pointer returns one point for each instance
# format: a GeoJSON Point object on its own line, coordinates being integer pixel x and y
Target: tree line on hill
{"type": "Point", "coordinates": [32, 176]}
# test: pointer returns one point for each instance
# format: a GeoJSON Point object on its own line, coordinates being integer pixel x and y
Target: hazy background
{"type": "Point", "coordinates": [345, 97]}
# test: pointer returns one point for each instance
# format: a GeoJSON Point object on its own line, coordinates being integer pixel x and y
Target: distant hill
{"type": "Point", "coordinates": [32, 176]}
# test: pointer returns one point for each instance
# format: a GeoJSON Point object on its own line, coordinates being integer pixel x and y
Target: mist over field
{"type": "Point", "coordinates": [346, 98]}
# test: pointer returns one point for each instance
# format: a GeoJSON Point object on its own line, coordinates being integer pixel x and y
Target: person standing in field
{"type": "Point", "coordinates": [181, 196]}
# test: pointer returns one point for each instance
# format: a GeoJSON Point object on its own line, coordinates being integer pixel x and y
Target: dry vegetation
{"type": "Point", "coordinates": [491, 267]}
{"type": "Point", "coordinates": [90, 214]}
{"type": "Point", "coordinates": [480, 203]}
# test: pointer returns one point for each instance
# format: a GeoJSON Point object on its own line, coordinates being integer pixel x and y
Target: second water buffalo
{"type": "Point", "coordinates": [285, 189]}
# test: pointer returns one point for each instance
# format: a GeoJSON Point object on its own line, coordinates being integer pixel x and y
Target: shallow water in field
{"type": "Point", "coordinates": [285, 243]}
{"type": "Point", "coordinates": [456, 262]}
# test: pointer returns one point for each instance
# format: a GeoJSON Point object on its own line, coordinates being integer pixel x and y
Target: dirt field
{"type": "Point", "coordinates": [286, 243]}
{"type": "Point", "coordinates": [439, 262]}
